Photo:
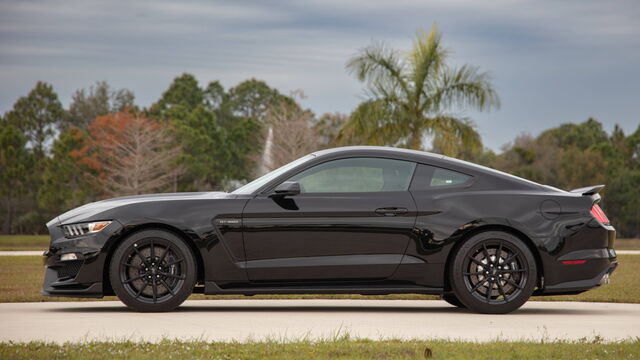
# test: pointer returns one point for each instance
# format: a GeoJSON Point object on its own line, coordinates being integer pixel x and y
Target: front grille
{"type": "Point", "coordinates": [69, 270]}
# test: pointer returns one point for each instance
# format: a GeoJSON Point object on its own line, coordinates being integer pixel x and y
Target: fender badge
{"type": "Point", "coordinates": [228, 221]}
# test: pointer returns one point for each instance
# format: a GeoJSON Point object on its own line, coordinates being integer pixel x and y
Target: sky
{"type": "Point", "coordinates": [552, 62]}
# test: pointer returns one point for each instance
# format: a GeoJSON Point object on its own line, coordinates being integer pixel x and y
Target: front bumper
{"type": "Point", "coordinates": [83, 277]}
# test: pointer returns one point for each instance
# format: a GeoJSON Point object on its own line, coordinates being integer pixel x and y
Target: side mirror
{"type": "Point", "coordinates": [287, 188]}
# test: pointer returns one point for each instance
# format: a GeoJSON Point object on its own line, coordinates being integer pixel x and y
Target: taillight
{"type": "Point", "coordinates": [599, 214]}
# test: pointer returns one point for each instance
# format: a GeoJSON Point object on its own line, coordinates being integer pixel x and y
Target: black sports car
{"type": "Point", "coordinates": [354, 220]}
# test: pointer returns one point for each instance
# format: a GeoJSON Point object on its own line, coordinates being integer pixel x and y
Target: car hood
{"type": "Point", "coordinates": [86, 211]}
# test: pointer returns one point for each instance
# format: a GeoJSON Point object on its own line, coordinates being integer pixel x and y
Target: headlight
{"type": "Point", "coordinates": [75, 230]}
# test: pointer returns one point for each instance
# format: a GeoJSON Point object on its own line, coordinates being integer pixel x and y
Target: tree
{"type": "Point", "coordinates": [413, 96]}
{"type": "Point", "coordinates": [67, 181]}
{"type": "Point", "coordinates": [36, 116]}
{"type": "Point", "coordinates": [132, 154]}
{"type": "Point", "coordinates": [98, 100]}
{"type": "Point", "coordinates": [290, 133]}
{"type": "Point", "coordinates": [576, 155]}
{"type": "Point", "coordinates": [622, 202]}
{"type": "Point", "coordinates": [183, 92]}
{"type": "Point", "coordinates": [16, 163]}
{"type": "Point", "coordinates": [582, 136]}
{"type": "Point", "coordinates": [34, 119]}
{"type": "Point", "coordinates": [252, 98]}
{"type": "Point", "coordinates": [206, 155]}
{"type": "Point", "coordinates": [328, 128]}
{"type": "Point", "coordinates": [217, 144]}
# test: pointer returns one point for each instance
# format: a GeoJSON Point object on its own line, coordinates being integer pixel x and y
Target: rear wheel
{"type": "Point", "coordinates": [152, 270]}
{"type": "Point", "coordinates": [493, 272]}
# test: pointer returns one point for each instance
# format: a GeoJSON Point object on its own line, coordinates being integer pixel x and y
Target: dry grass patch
{"type": "Point", "coordinates": [627, 244]}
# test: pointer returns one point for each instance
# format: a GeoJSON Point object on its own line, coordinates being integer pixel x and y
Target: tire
{"type": "Point", "coordinates": [491, 284]}
{"type": "Point", "coordinates": [152, 271]}
{"type": "Point", "coordinates": [453, 300]}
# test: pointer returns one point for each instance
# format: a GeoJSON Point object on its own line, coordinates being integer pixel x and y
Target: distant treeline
{"type": "Point", "coordinates": [193, 138]}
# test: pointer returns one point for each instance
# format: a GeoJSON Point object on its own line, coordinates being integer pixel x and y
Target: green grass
{"type": "Point", "coordinates": [23, 242]}
{"type": "Point", "coordinates": [341, 348]}
{"type": "Point", "coordinates": [21, 279]}
{"type": "Point", "coordinates": [41, 242]}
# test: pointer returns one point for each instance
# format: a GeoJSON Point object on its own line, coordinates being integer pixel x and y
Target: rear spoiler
{"type": "Point", "coordinates": [589, 190]}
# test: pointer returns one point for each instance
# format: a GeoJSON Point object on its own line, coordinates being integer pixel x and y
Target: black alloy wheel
{"type": "Point", "coordinates": [493, 272]}
{"type": "Point", "coordinates": [153, 270]}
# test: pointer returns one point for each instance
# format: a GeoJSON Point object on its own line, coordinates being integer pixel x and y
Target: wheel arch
{"type": "Point", "coordinates": [108, 290]}
{"type": "Point", "coordinates": [494, 227]}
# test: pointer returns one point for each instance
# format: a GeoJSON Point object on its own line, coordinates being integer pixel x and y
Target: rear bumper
{"type": "Point", "coordinates": [583, 260]}
{"type": "Point", "coordinates": [578, 286]}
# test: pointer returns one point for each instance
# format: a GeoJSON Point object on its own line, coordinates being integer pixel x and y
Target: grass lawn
{"type": "Point", "coordinates": [41, 242]}
{"type": "Point", "coordinates": [341, 348]}
{"type": "Point", "coordinates": [24, 242]}
{"type": "Point", "coordinates": [21, 279]}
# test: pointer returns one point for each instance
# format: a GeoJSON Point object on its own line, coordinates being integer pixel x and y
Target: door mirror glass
{"type": "Point", "coordinates": [287, 188]}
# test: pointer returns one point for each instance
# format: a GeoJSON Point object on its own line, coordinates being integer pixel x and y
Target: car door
{"type": "Point", "coordinates": [352, 220]}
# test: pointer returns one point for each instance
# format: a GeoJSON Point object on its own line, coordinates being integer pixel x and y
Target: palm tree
{"type": "Point", "coordinates": [414, 95]}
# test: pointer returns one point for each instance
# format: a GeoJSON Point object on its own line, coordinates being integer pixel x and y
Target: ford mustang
{"type": "Point", "coordinates": [353, 220]}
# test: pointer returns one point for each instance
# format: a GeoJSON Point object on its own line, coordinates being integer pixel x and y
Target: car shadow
{"type": "Point", "coordinates": [332, 309]}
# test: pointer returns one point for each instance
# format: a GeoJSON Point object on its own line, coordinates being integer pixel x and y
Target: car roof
{"type": "Point", "coordinates": [377, 150]}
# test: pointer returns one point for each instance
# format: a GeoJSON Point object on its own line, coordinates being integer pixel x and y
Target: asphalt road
{"type": "Point", "coordinates": [226, 320]}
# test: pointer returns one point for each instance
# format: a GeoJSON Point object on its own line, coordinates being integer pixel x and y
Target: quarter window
{"type": "Point", "coordinates": [444, 177]}
{"type": "Point", "coordinates": [356, 175]}
{"type": "Point", "coordinates": [431, 177]}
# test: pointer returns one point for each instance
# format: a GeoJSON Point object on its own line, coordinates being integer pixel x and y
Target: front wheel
{"type": "Point", "coordinates": [493, 272]}
{"type": "Point", "coordinates": [152, 270]}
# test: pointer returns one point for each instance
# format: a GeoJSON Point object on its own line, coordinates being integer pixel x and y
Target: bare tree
{"type": "Point", "coordinates": [135, 154]}
{"type": "Point", "coordinates": [290, 133]}
{"type": "Point", "coordinates": [328, 129]}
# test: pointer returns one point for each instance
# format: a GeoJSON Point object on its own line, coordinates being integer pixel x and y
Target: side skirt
{"type": "Point", "coordinates": [211, 288]}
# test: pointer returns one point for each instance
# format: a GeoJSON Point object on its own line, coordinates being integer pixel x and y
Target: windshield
{"type": "Point", "coordinates": [251, 187]}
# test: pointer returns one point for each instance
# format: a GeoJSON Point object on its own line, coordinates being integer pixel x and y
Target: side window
{"type": "Point", "coordinates": [431, 177]}
{"type": "Point", "coordinates": [356, 175]}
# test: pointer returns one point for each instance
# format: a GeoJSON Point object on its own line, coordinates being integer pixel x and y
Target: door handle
{"type": "Point", "coordinates": [391, 211]}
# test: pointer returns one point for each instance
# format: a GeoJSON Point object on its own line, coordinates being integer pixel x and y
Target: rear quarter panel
{"type": "Point", "coordinates": [552, 223]}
